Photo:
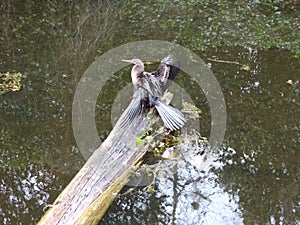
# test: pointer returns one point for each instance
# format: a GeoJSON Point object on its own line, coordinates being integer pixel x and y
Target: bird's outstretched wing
{"type": "Point", "coordinates": [133, 110]}
{"type": "Point", "coordinates": [166, 72]}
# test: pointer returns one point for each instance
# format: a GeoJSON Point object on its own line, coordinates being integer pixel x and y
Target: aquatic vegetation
{"type": "Point", "coordinates": [10, 82]}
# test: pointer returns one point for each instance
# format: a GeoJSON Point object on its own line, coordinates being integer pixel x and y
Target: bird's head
{"type": "Point", "coordinates": [136, 62]}
{"type": "Point", "coordinates": [137, 69]}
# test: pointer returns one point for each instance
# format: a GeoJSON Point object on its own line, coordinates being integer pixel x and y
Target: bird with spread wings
{"type": "Point", "coordinates": [149, 88]}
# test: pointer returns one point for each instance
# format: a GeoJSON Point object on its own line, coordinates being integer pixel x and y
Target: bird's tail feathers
{"type": "Point", "coordinates": [173, 119]}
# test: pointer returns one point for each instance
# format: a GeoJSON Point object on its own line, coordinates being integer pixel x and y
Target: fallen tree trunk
{"type": "Point", "coordinates": [89, 194]}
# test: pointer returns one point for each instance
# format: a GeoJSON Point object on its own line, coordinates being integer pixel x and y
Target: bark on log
{"type": "Point", "coordinates": [89, 194]}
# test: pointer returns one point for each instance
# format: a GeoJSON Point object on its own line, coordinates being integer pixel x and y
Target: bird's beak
{"type": "Point", "coordinates": [128, 61]}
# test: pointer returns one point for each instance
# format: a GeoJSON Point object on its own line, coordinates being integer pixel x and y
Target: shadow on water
{"type": "Point", "coordinates": [255, 176]}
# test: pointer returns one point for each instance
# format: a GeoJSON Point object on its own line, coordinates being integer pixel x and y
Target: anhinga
{"type": "Point", "coordinates": [148, 88]}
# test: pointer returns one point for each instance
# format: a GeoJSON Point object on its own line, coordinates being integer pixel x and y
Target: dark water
{"type": "Point", "coordinates": [256, 177]}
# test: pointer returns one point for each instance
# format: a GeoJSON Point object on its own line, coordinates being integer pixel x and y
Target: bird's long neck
{"type": "Point", "coordinates": [135, 74]}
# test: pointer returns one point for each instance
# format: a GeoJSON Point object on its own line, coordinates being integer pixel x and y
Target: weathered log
{"type": "Point", "coordinates": [89, 194]}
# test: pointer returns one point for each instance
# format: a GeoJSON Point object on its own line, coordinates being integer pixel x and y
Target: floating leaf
{"type": "Point", "coordinates": [246, 68]}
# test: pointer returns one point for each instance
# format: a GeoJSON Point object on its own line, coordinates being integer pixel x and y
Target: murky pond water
{"type": "Point", "coordinates": [255, 175]}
